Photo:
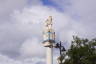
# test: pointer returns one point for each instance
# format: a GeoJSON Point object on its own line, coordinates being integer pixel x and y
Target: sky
{"type": "Point", "coordinates": [21, 26]}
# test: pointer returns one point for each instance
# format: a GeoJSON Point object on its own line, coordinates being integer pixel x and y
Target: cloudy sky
{"type": "Point", "coordinates": [21, 23]}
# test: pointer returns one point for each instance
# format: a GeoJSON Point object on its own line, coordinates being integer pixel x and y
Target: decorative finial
{"type": "Point", "coordinates": [49, 21]}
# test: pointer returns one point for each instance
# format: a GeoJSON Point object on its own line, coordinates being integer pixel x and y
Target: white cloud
{"type": "Point", "coordinates": [85, 9]}
{"type": "Point", "coordinates": [83, 12]}
{"type": "Point", "coordinates": [6, 60]}
{"type": "Point", "coordinates": [8, 6]}
{"type": "Point", "coordinates": [33, 48]}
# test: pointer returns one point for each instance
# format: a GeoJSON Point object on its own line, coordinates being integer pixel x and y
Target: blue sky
{"type": "Point", "coordinates": [49, 2]}
{"type": "Point", "coordinates": [21, 26]}
{"type": "Point", "coordinates": [54, 4]}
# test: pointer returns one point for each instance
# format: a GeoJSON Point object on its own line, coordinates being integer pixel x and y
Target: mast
{"type": "Point", "coordinates": [49, 39]}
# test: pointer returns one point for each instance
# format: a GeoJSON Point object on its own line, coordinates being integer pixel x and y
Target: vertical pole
{"type": "Point", "coordinates": [60, 48]}
{"type": "Point", "coordinates": [49, 55]}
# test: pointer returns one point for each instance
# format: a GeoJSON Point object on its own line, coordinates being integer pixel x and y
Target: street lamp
{"type": "Point", "coordinates": [62, 50]}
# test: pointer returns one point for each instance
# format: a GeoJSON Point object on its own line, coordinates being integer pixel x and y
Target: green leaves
{"type": "Point", "coordinates": [82, 51]}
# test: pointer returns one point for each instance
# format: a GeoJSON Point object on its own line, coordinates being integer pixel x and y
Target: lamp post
{"type": "Point", "coordinates": [62, 50]}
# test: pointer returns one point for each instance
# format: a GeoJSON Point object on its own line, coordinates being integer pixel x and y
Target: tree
{"type": "Point", "coordinates": [82, 51]}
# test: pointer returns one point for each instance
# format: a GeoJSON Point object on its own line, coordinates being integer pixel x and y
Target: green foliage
{"type": "Point", "coordinates": [82, 51]}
